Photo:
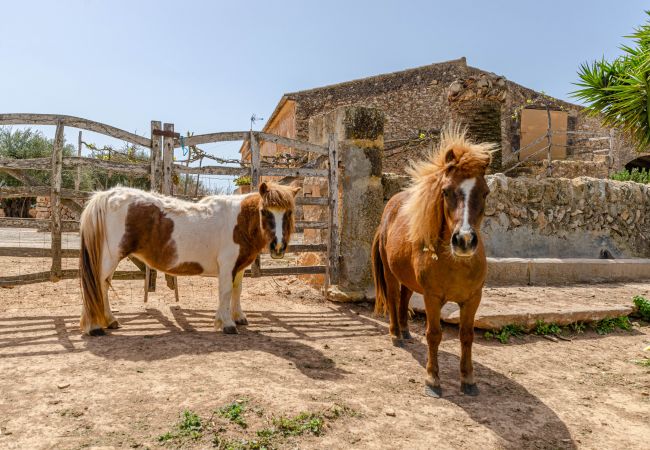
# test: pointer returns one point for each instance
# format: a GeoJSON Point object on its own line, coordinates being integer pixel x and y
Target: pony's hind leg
{"type": "Point", "coordinates": [109, 264]}
{"type": "Point", "coordinates": [392, 301]}
{"type": "Point", "coordinates": [403, 310]}
{"type": "Point", "coordinates": [237, 314]}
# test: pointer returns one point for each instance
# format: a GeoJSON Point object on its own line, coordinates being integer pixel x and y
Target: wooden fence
{"type": "Point", "coordinates": [160, 170]}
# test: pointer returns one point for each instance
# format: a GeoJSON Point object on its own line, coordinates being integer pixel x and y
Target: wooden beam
{"type": "Point", "coordinates": [312, 201]}
{"type": "Point", "coordinates": [74, 122]}
{"type": "Point", "coordinates": [293, 172]}
{"type": "Point", "coordinates": [168, 161]}
{"type": "Point", "coordinates": [16, 222]}
{"type": "Point", "coordinates": [77, 180]}
{"type": "Point", "coordinates": [35, 252]}
{"type": "Point", "coordinates": [305, 248]}
{"type": "Point", "coordinates": [293, 270]}
{"type": "Point", "coordinates": [333, 240]}
{"type": "Point", "coordinates": [293, 143]}
{"type": "Point", "coordinates": [309, 225]}
{"type": "Point", "coordinates": [214, 137]}
{"type": "Point", "coordinates": [255, 184]}
{"type": "Point", "coordinates": [40, 191]}
{"type": "Point", "coordinates": [155, 171]}
{"type": "Point", "coordinates": [212, 170]}
{"type": "Point", "coordinates": [71, 162]}
{"type": "Point", "coordinates": [30, 181]}
{"type": "Point", "coordinates": [55, 202]}
{"type": "Point", "coordinates": [67, 274]}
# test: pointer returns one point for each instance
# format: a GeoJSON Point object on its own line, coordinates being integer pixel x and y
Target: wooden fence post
{"type": "Point", "coordinates": [151, 275]}
{"type": "Point", "coordinates": [168, 182]}
{"type": "Point", "coordinates": [156, 145]}
{"type": "Point", "coordinates": [77, 180]}
{"type": "Point", "coordinates": [255, 185]}
{"type": "Point", "coordinates": [168, 159]}
{"type": "Point", "coordinates": [549, 142]}
{"type": "Point", "coordinates": [333, 241]}
{"type": "Point", "coordinates": [55, 203]}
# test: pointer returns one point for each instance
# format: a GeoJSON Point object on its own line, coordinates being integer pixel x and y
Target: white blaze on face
{"type": "Point", "coordinates": [466, 187]}
{"type": "Point", "coordinates": [278, 214]}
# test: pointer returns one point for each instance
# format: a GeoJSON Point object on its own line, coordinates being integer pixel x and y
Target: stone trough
{"type": "Point", "coordinates": [497, 311]}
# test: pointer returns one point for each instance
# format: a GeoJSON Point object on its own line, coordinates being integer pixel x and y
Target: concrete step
{"type": "Point", "coordinates": [552, 271]}
{"type": "Point", "coordinates": [561, 291]}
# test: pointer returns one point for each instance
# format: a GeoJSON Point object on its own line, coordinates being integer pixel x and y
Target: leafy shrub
{"type": "Point", "coordinates": [643, 306]}
{"type": "Point", "coordinates": [636, 175]}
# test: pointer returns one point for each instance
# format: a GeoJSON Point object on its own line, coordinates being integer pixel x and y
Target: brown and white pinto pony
{"type": "Point", "coordinates": [429, 242]}
{"type": "Point", "coordinates": [218, 236]}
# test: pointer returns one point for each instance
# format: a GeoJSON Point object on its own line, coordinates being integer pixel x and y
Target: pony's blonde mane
{"type": "Point", "coordinates": [279, 196]}
{"type": "Point", "coordinates": [424, 206]}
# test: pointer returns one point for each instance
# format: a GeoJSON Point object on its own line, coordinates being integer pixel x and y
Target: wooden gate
{"type": "Point", "coordinates": [161, 171]}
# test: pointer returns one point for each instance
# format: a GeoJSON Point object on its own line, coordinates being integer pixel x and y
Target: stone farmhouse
{"type": "Point", "coordinates": [418, 102]}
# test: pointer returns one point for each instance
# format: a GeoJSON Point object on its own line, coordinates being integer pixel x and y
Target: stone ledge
{"type": "Point", "coordinates": [549, 271]}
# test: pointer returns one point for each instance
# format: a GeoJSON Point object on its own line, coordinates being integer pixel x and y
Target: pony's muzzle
{"type": "Point", "coordinates": [464, 242]}
{"type": "Point", "coordinates": [277, 249]}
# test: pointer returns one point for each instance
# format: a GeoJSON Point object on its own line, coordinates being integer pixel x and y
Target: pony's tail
{"type": "Point", "coordinates": [378, 275]}
{"type": "Point", "coordinates": [92, 230]}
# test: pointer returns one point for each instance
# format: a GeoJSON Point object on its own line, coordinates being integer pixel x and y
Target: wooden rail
{"type": "Point", "coordinates": [40, 191]}
{"type": "Point", "coordinates": [71, 162]}
{"type": "Point", "coordinates": [292, 270]}
{"type": "Point", "coordinates": [36, 252]}
{"type": "Point", "coordinates": [74, 122]}
{"type": "Point", "coordinates": [41, 224]}
{"type": "Point", "coordinates": [226, 136]}
{"type": "Point", "coordinates": [67, 274]}
{"type": "Point", "coordinates": [160, 170]}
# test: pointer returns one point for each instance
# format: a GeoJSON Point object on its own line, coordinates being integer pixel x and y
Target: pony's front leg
{"type": "Point", "coordinates": [433, 304]}
{"type": "Point", "coordinates": [467, 313]}
{"type": "Point", "coordinates": [237, 314]}
{"type": "Point", "coordinates": [223, 317]}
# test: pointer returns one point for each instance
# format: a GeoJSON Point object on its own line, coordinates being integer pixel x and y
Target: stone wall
{"type": "Point", "coordinates": [418, 102]}
{"type": "Point", "coordinates": [559, 217]}
{"type": "Point", "coordinates": [44, 211]}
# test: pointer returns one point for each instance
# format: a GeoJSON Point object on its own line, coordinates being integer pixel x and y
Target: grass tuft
{"type": "Point", "coordinates": [609, 325]}
{"type": "Point", "coordinates": [643, 306]}
{"type": "Point", "coordinates": [234, 412]}
{"type": "Point", "coordinates": [504, 334]}
{"type": "Point", "coordinates": [190, 426]}
{"type": "Point", "coordinates": [542, 328]}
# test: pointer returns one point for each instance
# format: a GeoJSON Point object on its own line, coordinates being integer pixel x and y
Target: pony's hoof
{"type": "Point", "coordinates": [433, 391]}
{"type": "Point", "coordinates": [397, 342]}
{"type": "Point", "coordinates": [242, 321]}
{"type": "Point", "coordinates": [230, 330]}
{"type": "Point", "coordinates": [469, 389]}
{"type": "Point", "coordinates": [406, 334]}
{"type": "Point", "coordinates": [96, 332]}
{"type": "Point", "coordinates": [114, 325]}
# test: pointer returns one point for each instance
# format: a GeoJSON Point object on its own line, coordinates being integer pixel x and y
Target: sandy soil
{"type": "Point", "coordinates": [300, 353]}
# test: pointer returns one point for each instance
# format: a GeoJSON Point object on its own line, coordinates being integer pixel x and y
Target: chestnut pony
{"type": "Point", "coordinates": [429, 242]}
{"type": "Point", "coordinates": [218, 236]}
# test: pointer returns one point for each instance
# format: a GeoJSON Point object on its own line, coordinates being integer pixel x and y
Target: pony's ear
{"type": "Point", "coordinates": [264, 188]}
{"type": "Point", "coordinates": [295, 190]}
{"type": "Point", "coordinates": [450, 156]}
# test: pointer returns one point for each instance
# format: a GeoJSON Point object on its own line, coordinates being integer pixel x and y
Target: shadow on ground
{"type": "Point", "coordinates": [504, 406]}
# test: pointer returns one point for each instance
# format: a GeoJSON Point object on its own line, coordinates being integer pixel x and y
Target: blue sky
{"type": "Point", "coordinates": [208, 65]}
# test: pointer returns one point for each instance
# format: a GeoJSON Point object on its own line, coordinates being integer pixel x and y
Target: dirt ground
{"type": "Point", "coordinates": [301, 353]}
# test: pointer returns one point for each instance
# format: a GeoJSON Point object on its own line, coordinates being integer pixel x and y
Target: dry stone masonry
{"type": "Point", "coordinates": [560, 217]}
